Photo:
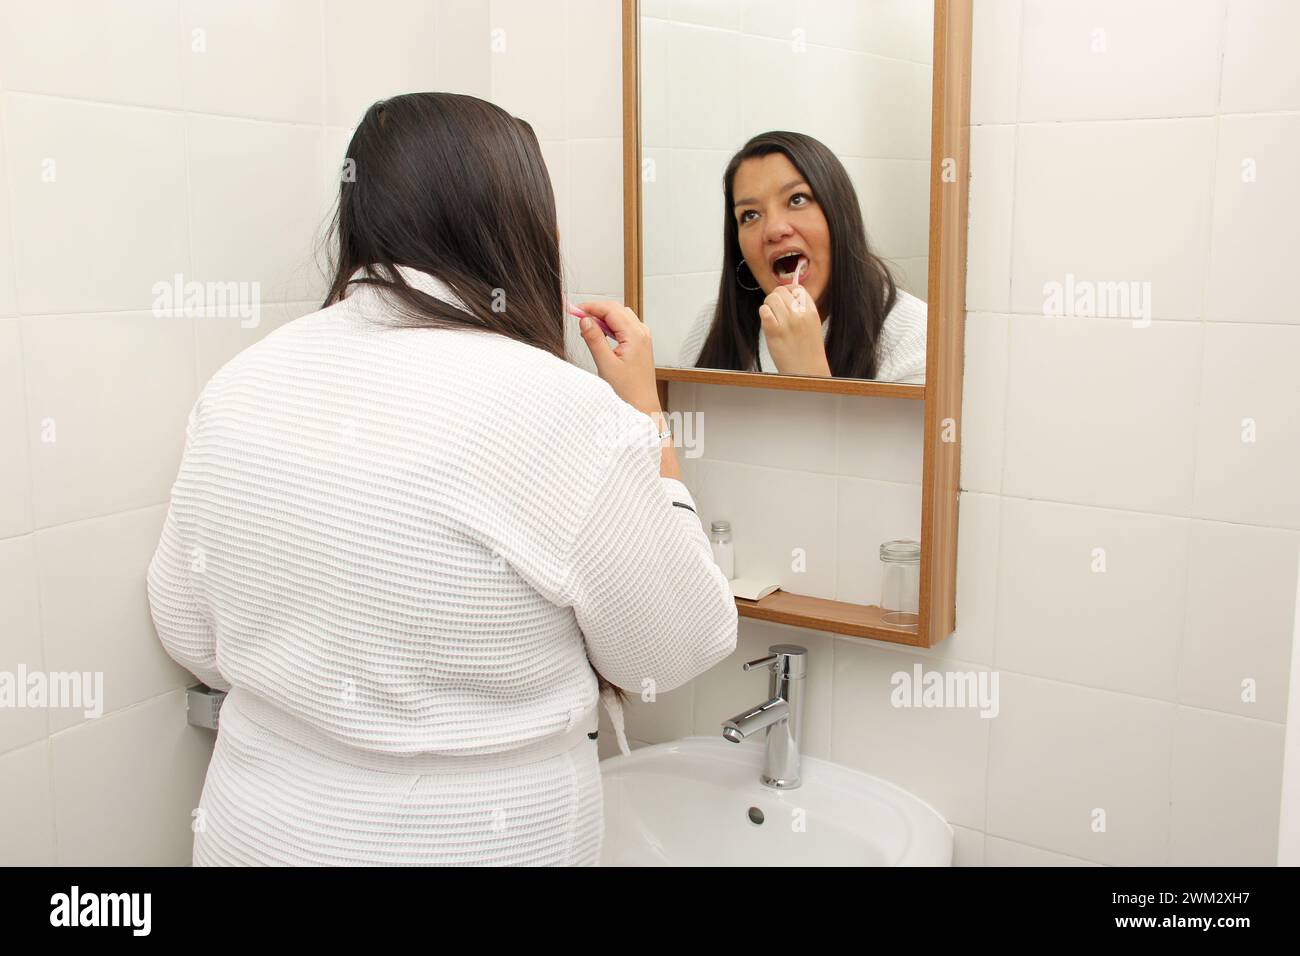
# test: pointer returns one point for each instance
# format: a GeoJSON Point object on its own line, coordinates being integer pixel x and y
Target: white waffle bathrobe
{"type": "Point", "coordinates": [397, 549]}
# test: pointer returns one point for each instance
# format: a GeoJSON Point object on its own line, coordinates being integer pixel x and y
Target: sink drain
{"type": "Point", "coordinates": [756, 816]}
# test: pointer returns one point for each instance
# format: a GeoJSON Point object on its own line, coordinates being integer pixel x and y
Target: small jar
{"type": "Point", "coordinates": [720, 541]}
{"type": "Point", "coordinates": [900, 582]}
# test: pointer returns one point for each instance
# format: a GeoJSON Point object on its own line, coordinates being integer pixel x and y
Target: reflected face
{"type": "Point", "coordinates": [779, 223]}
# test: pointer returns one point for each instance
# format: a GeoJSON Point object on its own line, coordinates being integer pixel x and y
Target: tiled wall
{"type": "Point", "coordinates": [199, 138]}
{"type": "Point", "coordinates": [855, 75]}
{"type": "Point", "coordinates": [1121, 689]}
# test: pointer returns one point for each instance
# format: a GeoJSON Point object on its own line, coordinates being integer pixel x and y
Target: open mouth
{"type": "Point", "coordinates": [784, 266]}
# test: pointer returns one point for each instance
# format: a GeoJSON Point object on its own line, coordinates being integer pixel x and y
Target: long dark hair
{"type": "Point", "coordinates": [456, 187]}
{"type": "Point", "coordinates": [862, 290]}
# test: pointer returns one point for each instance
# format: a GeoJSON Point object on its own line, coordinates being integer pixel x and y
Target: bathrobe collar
{"type": "Point", "coordinates": [426, 282]}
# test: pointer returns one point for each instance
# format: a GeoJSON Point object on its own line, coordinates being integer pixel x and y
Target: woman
{"type": "Point", "coordinates": [801, 292]}
{"type": "Point", "coordinates": [406, 529]}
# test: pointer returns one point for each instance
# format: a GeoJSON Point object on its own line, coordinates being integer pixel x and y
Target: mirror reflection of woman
{"type": "Point", "coordinates": [801, 292]}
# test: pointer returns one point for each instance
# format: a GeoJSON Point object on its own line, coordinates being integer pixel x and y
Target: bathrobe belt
{"type": "Point", "coordinates": [248, 705]}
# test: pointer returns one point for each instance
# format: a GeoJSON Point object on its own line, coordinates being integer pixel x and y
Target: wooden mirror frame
{"type": "Point", "coordinates": [946, 304]}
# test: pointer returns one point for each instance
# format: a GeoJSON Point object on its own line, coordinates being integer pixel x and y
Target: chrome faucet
{"type": "Point", "coordinates": [781, 715]}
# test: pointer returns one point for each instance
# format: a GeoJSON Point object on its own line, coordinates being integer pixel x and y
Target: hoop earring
{"type": "Point", "coordinates": [739, 282]}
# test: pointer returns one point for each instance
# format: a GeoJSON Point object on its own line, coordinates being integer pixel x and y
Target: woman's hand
{"type": "Point", "coordinates": [794, 332]}
{"type": "Point", "coordinates": [629, 367]}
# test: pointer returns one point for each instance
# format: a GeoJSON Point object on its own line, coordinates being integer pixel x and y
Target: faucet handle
{"type": "Point", "coordinates": [762, 662]}
{"type": "Point", "coordinates": [785, 660]}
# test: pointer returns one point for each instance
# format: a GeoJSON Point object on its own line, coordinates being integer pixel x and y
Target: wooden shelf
{"type": "Point", "coordinates": [839, 617]}
{"type": "Point", "coordinates": [794, 383]}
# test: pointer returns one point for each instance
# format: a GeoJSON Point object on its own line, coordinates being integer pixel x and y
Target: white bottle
{"type": "Point", "coordinates": [720, 541]}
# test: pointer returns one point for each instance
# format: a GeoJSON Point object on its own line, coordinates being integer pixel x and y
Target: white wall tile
{"type": "Point", "coordinates": [1000, 852]}
{"type": "Point", "coordinates": [912, 275]}
{"type": "Point", "coordinates": [80, 49]}
{"type": "Point", "coordinates": [892, 193]}
{"type": "Point", "coordinates": [1114, 59]}
{"type": "Point", "coordinates": [1090, 596]}
{"type": "Point", "coordinates": [983, 403]}
{"type": "Point", "coordinates": [894, 93]}
{"type": "Point", "coordinates": [247, 181]}
{"type": "Point", "coordinates": [1253, 246]}
{"type": "Point", "coordinates": [776, 85]}
{"type": "Point", "coordinates": [250, 58]}
{"type": "Point", "coordinates": [698, 205]}
{"type": "Point", "coordinates": [529, 68]}
{"type": "Point", "coordinates": [462, 58]}
{"type": "Point", "coordinates": [995, 61]}
{"type": "Point", "coordinates": [704, 105]}
{"type": "Point", "coordinates": [978, 534]}
{"type": "Point", "coordinates": [1058, 753]}
{"type": "Point", "coordinates": [555, 153]}
{"type": "Point", "coordinates": [656, 74]}
{"type": "Point", "coordinates": [15, 477]}
{"type": "Point", "coordinates": [595, 69]}
{"type": "Point", "coordinates": [990, 219]}
{"type": "Point", "coordinates": [707, 13]}
{"type": "Point", "coordinates": [776, 18]}
{"type": "Point", "coordinates": [1102, 413]}
{"type": "Point", "coordinates": [880, 438]}
{"type": "Point", "coordinates": [773, 512]}
{"type": "Point", "coordinates": [370, 57]}
{"type": "Point", "coordinates": [8, 288]}
{"type": "Point", "coordinates": [1114, 202]}
{"type": "Point", "coordinates": [893, 28]}
{"type": "Point", "coordinates": [103, 440]}
{"type": "Point", "coordinates": [668, 715]}
{"type": "Point", "coordinates": [762, 427]}
{"type": "Point", "coordinates": [1227, 785]}
{"type": "Point", "coordinates": [658, 241]}
{"type": "Point", "coordinates": [1240, 619]}
{"type": "Point", "coordinates": [143, 770]}
{"type": "Point", "coordinates": [112, 222]}
{"type": "Point", "coordinates": [595, 238]}
{"type": "Point", "coordinates": [870, 513]}
{"type": "Point", "coordinates": [95, 610]}
{"type": "Point", "coordinates": [1259, 71]}
{"type": "Point", "coordinates": [1249, 384]}
{"type": "Point", "coordinates": [945, 758]}
{"type": "Point", "coordinates": [967, 847]}
{"type": "Point", "coordinates": [27, 807]}
{"type": "Point", "coordinates": [20, 623]}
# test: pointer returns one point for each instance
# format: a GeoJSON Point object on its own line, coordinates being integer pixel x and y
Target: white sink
{"type": "Point", "coordinates": [689, 803]}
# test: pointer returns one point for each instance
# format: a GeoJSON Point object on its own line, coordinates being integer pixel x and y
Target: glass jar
{"type": "Point", "coordinates": [720, 542]}
{"type": "Point", "coordinates": [900, 582]}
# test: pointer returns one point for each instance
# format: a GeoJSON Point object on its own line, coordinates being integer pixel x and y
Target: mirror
{"type": "Point", "coordinates": [785, 185]}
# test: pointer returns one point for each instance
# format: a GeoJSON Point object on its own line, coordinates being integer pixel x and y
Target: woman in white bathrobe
{"type": "Point", "coordinates": [413, 542]}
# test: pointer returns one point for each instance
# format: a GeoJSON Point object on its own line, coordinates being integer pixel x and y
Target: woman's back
{"type": "Point", "coordinates": [405, 530]}
{"type": "Point", "coordinates": [386, 523]}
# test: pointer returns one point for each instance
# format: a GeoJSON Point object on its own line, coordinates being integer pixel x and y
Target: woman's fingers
{"type": "Point", "coordinates": [621, 320]}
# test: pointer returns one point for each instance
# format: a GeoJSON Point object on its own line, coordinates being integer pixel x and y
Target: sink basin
{"type": "Point", "coordinates": [697, 802]}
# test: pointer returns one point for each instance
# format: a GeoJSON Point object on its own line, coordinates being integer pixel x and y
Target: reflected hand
{"type": "Point", "coordinates": [794, 332]}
